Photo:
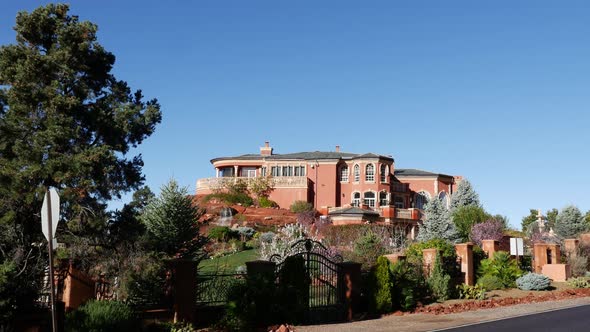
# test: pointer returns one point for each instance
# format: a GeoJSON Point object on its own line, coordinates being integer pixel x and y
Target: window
{"type": "Point", "coordinates": [398, 201]}
{"type": "Point", "coordinates": [383, 173]}
{"type": "Point", "coordinates": [274, 171]}
{"type": "Point", "coordinates": [357, 173]}
{"type": "Point", "coordinates": [225, 172]}
{"type": "Point", "coordinates": [369, 198]}
{"type": "Point", "coordinates": [344, 173]}
{"type": "Point", "coordinates": [356, 199]}
{"type": "Point", "coordinates": [299, 170]}
{"type": "Point", "coordinates": [370, 173]}
{"type": "Point", "coordinates": [383, 201]}
{"type": "Point", "coordinates": [263, 171]}
{"type": "Point", "coordinates": [287, 170]}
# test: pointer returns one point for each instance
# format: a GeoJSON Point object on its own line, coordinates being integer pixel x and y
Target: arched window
{"type": "Point", "coordinates": [344, 173]}
{"type": "Point", "coordinates": [384, 172]}
{"type": "Point", "coordinates": [369, 198]}
{"type": "Point", "coordinates": [370, 173]}
{"type": "Point", "coordinates": [421, 199]}
{"type": "Point", "coordinates": [356, 199]}
{"type": "Point", "coordinates": [357, 173]}
{"type": "Point", "coordinates": [444, 198]}
{"type": "Point", "coordinates": [383, 201]}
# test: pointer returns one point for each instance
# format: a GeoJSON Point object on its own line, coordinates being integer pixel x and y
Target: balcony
{"type": "Point", "coordinates": [208, 184]}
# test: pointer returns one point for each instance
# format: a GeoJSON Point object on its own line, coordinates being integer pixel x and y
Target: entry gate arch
{"type": "Point", "coordinates": [321, 273]}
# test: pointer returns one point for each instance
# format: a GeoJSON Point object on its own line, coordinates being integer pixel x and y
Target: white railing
{"type": "Point", "coordinates": [403, 214]}
{"type": "Point", "coordinates": [279, 182]}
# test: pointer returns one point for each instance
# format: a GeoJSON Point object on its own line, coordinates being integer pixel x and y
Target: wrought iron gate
{"type": "Point", "coordinates": [308, 266]}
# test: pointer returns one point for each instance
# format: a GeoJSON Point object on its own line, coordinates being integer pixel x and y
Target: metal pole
{"type": "Point", "coordinates": [50, 244]}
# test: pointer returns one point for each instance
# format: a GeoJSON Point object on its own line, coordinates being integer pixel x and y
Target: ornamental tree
{"type": "Point", "coordinates": [465, 195]}
{"type": "Point", "coordinates": [465, 217]}
{"type": "Point", "coordinates": [570, 222]}
{"type": "Point", "coordinates": [489, 230]}
{"type": "Point", "coordinates": [437, 224]}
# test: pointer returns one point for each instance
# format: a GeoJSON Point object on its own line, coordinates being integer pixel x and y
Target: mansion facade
{"type": "Point", "coordinates": [338, 183]}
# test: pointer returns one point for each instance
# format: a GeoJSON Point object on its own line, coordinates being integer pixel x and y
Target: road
{"type": "Point", "coordinates": [572, 319]}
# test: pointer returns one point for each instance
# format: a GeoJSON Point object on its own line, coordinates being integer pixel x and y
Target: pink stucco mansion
{"type": "Point", "coordinates": [347, 186]}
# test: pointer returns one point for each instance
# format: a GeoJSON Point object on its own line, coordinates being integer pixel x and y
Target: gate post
{"type": "Point", "coordinates": [349, 286]}
{"type": "Point", "coordinates": [185, 289]}
{"type": "Point", "coordinates": [261, 270]}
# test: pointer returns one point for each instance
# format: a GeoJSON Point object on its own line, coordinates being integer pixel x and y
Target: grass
{"type": "Point", "coordinates": [228, 264]}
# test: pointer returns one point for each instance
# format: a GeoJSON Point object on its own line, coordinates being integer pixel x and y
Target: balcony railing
{"type": "Point", "coordinates": [279, 182]}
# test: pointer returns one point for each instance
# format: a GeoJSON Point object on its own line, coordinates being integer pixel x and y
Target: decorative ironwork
{"type": "Point", "coordinates": [307, 246]}
{"type": "Point", "coordinates": [213, 289]}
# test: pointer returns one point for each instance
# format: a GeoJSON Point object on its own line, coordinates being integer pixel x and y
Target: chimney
{"type": "Point", "coordinates": [337, 148]}
{"type": "Point", "coordinates": [266, 150]}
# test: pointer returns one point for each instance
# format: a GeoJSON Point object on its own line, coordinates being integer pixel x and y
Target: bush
{"type": "Point", "coordinates": [578, 264]}
{"type": "Point", "coordinates": [490, 283]}
{"type": "Point", "coordinates": [409, 285]}
{"type": "Point", "coordinates": [439, 282]}
{"type": "Point", "coordinates": [533, 281]}
{"type": "Point", "coordinates": [501, 266]}
{"type": "Point", "coordinates": [489, 230]}
{"type": "Point", "coordinates": [579, 282]}
{"type": "Point", "coordinates": [381, 288]}
{"type": "Point", "coordinates": [98, 316]}
{"type": "Point", "coordinates": [367, 249]}
{"type": "Point", "coordinates": [477, 292]}
{"type": "Point", "coordinates": [144, 284]}
{"type": "Point", "coordinates": [267, 237]}
{"type": "Point", "coordinates": [264, 202]}
{"type": "Point", "coordinates": [231, 198]}
{"type": "Point", "coordinates": [301, 206]}
{"type": "Point", "coordinates": [448, 259]}
{"type": "Point", "coordinates": [245, 233]}
{"type": "Point", "coordinates": [222, 233]}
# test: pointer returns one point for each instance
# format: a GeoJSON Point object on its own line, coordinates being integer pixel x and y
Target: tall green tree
{"type": "Point", "coordinates": [528, 220]}
{"type": "Point", "coordinates": [66, 122]}
{"type": "Point", "coordinates": [465, 217]}
{"type": "Point", "coordinates": [465, 195]}
{"type": "Point", "coordinates": [570, 222]}
{"type": "Point", "coordinates": [171, 222]}
{"type": "Point", "coordinates": [437, 223]}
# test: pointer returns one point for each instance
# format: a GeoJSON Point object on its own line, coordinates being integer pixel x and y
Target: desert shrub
{"type": "Point", "coordinates": [381, 288]}
{"type": "Point", "coordinates": [231, 198]}
{"type": "Point", "coordinates": [222, 233]}
{"type": "Point", "coordinates": [489, 230]}
{"type": "Point", "coordinates": [267, 237]}
{"type": "Point", "coordinates": [98, 316]}
{"type": "Point", "coordinates": [579, 282]}
{"type": "Point", "coordinates": [477, 292]}
{"type": "Point", "coordinates": [489, 282]}
{"type": "Point", "coordinates": [245, 233]}
{"type": "Point", "coordinates": [533, 281]}
{"type": "Point", "coordinates": [501, 266]}
{"type": "Point", "coordinates": [301, 206]}
{"type": "Point", "coordinates": [409, 285]}
{"type": "Point", "coordinates": [367, 249]}
{"type": "Point", "coordinates": [264, 202]}
{"type": "Point", "coordinates": [439, 282]}
{"type": "Point", "coordinates": [578, 264]}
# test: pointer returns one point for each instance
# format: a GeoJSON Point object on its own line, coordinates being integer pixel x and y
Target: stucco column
{"type": "Point", "coordinates": [428, 259]}
{"type": "Point", "coordinates": [236, 171]}
{"type": "Point", "coordinates": [349, 284]}
{"type": "Point", "coordinates": [490, 247]}
{"type": "Point", "coordinates": [435, 188]}
{"type": "Point", "coordinates": [465, 254]}
{"type": "Point", "coordinates": [571, 247]}
{"type": "Point", "coordinates": [216, 172]}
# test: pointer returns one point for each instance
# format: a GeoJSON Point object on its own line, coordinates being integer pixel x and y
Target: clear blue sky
{"type": "Point", "coordinates": [496, 92]}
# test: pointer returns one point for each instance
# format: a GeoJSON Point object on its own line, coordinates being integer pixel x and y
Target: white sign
{"type": "Point", "coordinates": [516, 246]}
{"type": "Point", "coordinates": [52, 195]}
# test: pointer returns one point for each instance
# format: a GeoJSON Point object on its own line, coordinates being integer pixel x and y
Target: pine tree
{"type": "Point", "coordinates": [437, 224]}
{"type": "Point", "coordinates": [570, 222]}
{"type": "Point", "coordinates": [464, 195]}
{"type": "Point", "coordinates": [171, 221]}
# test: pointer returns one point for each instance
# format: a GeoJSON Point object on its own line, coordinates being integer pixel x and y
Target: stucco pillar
{"type": "Point", "coordinates": [465, 253]}
{"type": "Point", "coordinates": [216, 172]}
{"type": "Point", "coordinates": [490, 247]}
{"type": "Point", "coordinates": [394, 258]}
{"type": "Point", "coordinates": [428, 260]}
{"type": "Point", "coordinates": [349, 284]}
{"type": "Point", "coordinates": [435, 194]}
{"type": "Point", "coordinates": [236, 171]}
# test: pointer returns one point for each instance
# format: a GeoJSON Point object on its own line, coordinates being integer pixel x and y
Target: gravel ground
{"type": "Point", "coordinates": [430, 322]}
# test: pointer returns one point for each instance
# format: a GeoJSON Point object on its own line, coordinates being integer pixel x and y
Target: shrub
{"type": "Point", "coordinates": [245, 233]}
{"type": "Point", "coordinates": [579, 282]}
{"type": "Point", "coordinates": [409, 285]}
{"type": "Point", "coordinates": [367, 249]}
{"type": "Point", "coordinates": [382, 285]}
{"type": "Point", "coordinates": [578, 264]}
{"type": "Point", "coordinates": [231, 198]}
{"type": "Point", "coordinates": [466, 217]}
{"type": "Point", "coordinates": [439, 282]}
{"type": "Point", "coordinates": [264, 202]}
{"type": "Point", "coordinates": [490, 283]}
{"type": "Point", "coordinates": [222, 233]}
{"type": "Point", "coordinates": [98, 316]}
{"type": "Point", "coordinates": [267, 237]}
{"type": "Point", "coordinates": [533, 281]}
{"type": "Point", "coordinates": [449, 255]}
{"type": "Point", "coordinates": [501, 266]}
{"type": "Point", "coordinates": [477, 292]}
{"type": "Point", "coordinates": [144, 283]}
{"type": "Point", "coordinates": [489, 230]}
{"type": "Point", "coordinates": [301, 206]}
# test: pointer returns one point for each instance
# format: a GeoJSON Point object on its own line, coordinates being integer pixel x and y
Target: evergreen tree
{"type": "Point", "coordinates": [171, 222]}
{"type": "Point", "coordinates": [437, 224]}
{"type": "Point", "coordinates": [464, 195]}
{"type": "Point", "coordinates": [570, 222]}
{"type": "Point", "coordinates": [528, 220]}
{"type": "Point", "coordinates": [465, 217]}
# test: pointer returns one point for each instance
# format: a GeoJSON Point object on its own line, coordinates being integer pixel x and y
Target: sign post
{"type": "Point", "coordinates": [49, 219]}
